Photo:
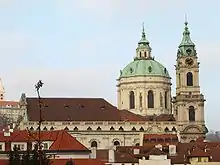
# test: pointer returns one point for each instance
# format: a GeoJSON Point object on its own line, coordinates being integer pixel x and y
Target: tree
{"type": "Point", "coordinates": [28, 157]}
{"type": "Point", "coordinates": [14, 157]}
{"type": "Point", "coordinates": [69, 162]}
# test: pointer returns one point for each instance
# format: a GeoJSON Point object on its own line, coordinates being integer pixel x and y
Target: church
{"type": "Point", "coordinates": [145, 105]}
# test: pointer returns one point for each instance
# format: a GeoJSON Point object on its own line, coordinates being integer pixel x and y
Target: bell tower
{"type": "Point", "coordinates": [188, 102]}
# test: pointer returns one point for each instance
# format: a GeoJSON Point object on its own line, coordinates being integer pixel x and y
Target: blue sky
{"type": "Point", "coordinates": [78, 47]}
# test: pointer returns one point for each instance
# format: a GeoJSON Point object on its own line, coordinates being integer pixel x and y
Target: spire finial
{"type": "Point", "coordinates": [143, 31]}
{"type": "Point", "coordinates": [186, 22]}
{"type": "Point", "coordinates": [186, 47]}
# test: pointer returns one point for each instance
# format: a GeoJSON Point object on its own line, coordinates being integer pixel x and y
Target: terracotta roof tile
{"type": "Point", "coordinates": [83, 109]}
{"type": "Point", "coordinates": [61, 139]}
{"type": "Point", "coordinates": [9, 103]}
{"type": "Point", "coordinates": [197, 152]}
{"type": "Point", "coordinates": [65, 141]}
{"type": "Point", "coordinates": [156, 151]}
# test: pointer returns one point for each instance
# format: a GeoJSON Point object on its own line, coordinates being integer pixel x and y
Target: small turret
{"type": "Point", "coordinates": [186, 47]}
{"type": "Point", "coordinates": [143, 50]}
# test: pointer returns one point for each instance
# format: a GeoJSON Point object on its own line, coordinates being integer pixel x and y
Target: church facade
{"type": "Point", "coordinates": [145, 104]}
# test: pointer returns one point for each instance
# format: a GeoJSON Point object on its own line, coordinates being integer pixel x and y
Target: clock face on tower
{"type": "Point", "coordinates": [189, 61]}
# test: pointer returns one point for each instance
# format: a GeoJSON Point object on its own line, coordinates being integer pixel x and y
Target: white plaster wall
{"type": "Point", "coordinates": [105, 138]}
{"type": "Point", "coordinates": [141, 85]}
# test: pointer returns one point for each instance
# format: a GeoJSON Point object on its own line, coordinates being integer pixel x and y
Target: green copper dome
{"type": "Point", "coordinates": [144, 67]}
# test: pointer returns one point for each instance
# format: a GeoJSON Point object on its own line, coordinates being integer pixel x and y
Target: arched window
{"type": "Point", "coordinates": [192, 141]}
{"type": "Point", "coordinates": [141, 129]}
{"type": "Point", "coordinates": [51, 128]}
{"type": "Point", "coordinates": [140, 99]}
{"type": "Point", "coordinates": [137, 144]}
{"type": "Point", "coordinates": [121, 129]}
{"type": "Point", "coordinates": [191, 113]}
{"type": "Point", "coordinates": [75, 129]}
{"type": "Point", "coordinates": [112, 129]}
{"type": "Point", "coordinates": [166, 129]}
{"type": "Point", "coordinates": [66, 129]}
{"type": "Point", "coordinates": [132, 100]}
{"type": "Point", "coordinates": [140, 54]}
{"type": "Point", "coordinates": [89, 129]}
{"type": "Point", "coordinates": [189, 79]}
{"type": "Point", "coordinates": [98, 129]}
{"type": "Point", "coordinates": [165, 99]}
{"type": "Point", "coordinates": [150, 99]}
{"type": "Point", "coordinates": [174, 129]}
{"type": "Point", "coordinates": [145, 54]}
{"type": "Point", "coordinates": [94, 144]}
{"type": "Point", "coordinates": [161, 100]}
{"type": "Point", "coordinates": [116, 143]}
{"type": "Point", "coordinates": [45, 129]}
{"type": "Point", "coordinates": [133, 129]}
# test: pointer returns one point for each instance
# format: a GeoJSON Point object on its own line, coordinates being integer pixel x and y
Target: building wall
{"type": "Point", "coordinates": [140, 86]}
{"type": "Point", "coordinates": [106, 137]}
{"type": "Point", "coordinates": [12, 113]}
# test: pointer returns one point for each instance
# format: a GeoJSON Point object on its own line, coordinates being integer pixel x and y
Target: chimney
{"type": "Point", "coordinates": [178, 136]}
{"type": "Point", "coordinates": [93, 153]}
{"type": "Point", "coordinates": [11, 128]}
{"type": "Point", "coordinates": [111, 155]}
{"type": "Point", "coordinates": [172, 149]}
{"type": "Point", "coordinates": [136, 151]}
{"type": "Point", "coordinates": [6, 133]}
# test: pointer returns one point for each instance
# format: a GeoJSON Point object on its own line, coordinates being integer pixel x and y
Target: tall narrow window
{"type": "Point", "coordinates": [161, 100]}
{"type": "Point", "coordinates": [179, 80]}
{"type": "Point", "coordinates": [132, 99]}
{"type": "Point", "coordinates": [145, 54]}
{"type": "Point", "coordinates": [165, 99]}
{"type": "Point", "coordinates": [189, 79]}
{"type": "Point", "coordinates": [94, 144]}
{"type": "Point", "coordinates": [192, 114]}
{"type": "Point", "coordinates": [150, 99]}
{"type": "Point", "coordinates": [140, 99]}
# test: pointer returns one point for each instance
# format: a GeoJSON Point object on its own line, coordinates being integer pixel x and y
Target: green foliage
{"type": "Point", "coordinates": [28, 157]}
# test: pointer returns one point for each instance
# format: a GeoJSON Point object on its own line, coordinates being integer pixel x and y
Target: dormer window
{"type": "Point", "coordinates": [45, 145]}
{"type": "Point", "coordinates": [81, 106]}
{"type": "Point", "coordinates": [165, 70]}
{"type": "Point", "coordinates": [150, 69]}
{"type": "Point", "coordinates": [66, 106]}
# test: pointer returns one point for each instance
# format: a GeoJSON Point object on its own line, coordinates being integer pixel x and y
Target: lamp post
{"type": "Point", "coordinates": [38, 86]}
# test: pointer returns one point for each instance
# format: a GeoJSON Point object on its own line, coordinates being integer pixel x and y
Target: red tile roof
{"type": "Point", "coordinates": [65, 141]}
{"type": "Point", "coordinates": [9, 103]}
{"type": "Point", "coordinates": [62, 140]}
{"type": "Point", "coordinates": [197, 152]}
{"type": "Point", "coordinates": [83, 109]}
{"type": "Point", "coordinates": [183, 151]}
